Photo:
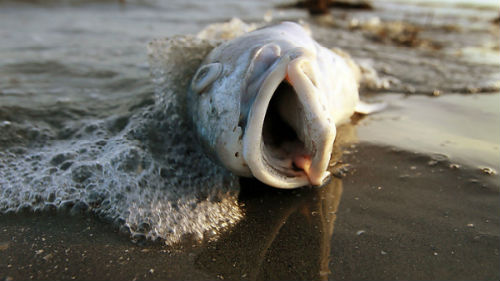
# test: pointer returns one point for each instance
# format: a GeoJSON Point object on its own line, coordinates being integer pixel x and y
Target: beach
{"type": "Point", "coordinates": [96, 183]}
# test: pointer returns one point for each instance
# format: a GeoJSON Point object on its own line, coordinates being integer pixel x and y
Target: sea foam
{"type": "Point", "coordinates": [143, 171]}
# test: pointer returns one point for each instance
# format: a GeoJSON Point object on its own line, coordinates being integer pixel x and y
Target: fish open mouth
{"type": "Point", "coordinates": [289, 136]}
{"type": "Point", "coordinates": [281, 142]}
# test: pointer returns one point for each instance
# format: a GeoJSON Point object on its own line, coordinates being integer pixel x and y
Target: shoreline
{"type": "Point", "coordinates": [416, 189]}
{"type": "Point", "coordinates": [409, 219]}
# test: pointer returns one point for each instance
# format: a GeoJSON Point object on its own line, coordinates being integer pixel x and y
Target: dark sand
{"type": "Point", "coordinates": [416, 194]}
{"type": "Point", "coordinates": [402, 215]}
{"type": "Point", "coordinates": [388, 214]}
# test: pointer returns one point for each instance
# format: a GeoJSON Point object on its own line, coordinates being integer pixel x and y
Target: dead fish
{"type": "Point", "coordinates": [266, 104]}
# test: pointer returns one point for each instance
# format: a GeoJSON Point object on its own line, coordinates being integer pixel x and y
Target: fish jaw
{"type": "Point", "coordinates": [298, 161]}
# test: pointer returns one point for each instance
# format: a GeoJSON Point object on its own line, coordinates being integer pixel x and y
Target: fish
{"type": "Point", "coordinates": [267, 104]}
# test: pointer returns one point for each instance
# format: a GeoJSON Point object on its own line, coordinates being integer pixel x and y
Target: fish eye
{"type": "Point", "coordinates": [205, 76]}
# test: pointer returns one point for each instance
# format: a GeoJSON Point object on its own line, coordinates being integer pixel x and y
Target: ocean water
{"type": "Point", "coordinates": [83, 131]}
{"type": "Point", "coordinates": [92, 118]}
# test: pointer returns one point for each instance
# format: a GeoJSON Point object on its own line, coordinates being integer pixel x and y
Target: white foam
{"type": "Point", "coordinates": [144, 171]}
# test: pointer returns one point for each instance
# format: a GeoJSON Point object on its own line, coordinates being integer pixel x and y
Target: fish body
{"type": "Point", "coordinates": [266, 104]}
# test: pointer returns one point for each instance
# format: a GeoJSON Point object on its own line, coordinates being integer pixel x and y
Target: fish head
{"type": "Point", "coordinates": [261, 107]}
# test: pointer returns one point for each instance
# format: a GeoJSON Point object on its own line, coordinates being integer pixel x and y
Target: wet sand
{"type": "Point", "coordinates": [415, 195]}
{"type": "Point", "coordinates": [460, 128]}
{"type": "Point", "coordinates": [394, 215]}
{"type": "Point", "coordinates": [390, 213]}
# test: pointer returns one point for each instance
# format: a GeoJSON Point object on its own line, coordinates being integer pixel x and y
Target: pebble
{"type": "Point", "coordinates": [48, 257]}
{"type": "Point", "coordinates": [432, 163]}
{"type": "Point", "coordinates": [488, 171]}
{"type": "Point", "coordinates": [4, 246]}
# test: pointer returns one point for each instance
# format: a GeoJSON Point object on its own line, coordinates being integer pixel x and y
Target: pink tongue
{"type": "Point", "coordinates": [303, 162]}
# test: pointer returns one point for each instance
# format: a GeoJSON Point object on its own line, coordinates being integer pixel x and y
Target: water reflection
{"type": "Point", "coordinates": [285, 234]}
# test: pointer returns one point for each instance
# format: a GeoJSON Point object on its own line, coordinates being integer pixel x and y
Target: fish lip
{"type": "Point", "coordinates": [253, 152]}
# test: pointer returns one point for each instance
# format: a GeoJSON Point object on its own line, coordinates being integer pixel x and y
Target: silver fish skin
{"type": "Point", "coordinates": [266, 104]}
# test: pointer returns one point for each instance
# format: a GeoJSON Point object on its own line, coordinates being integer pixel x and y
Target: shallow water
{"type": "Point", "coordinates": [85, 130]}
{"type": "Point", "coordinates": [462, 128]}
